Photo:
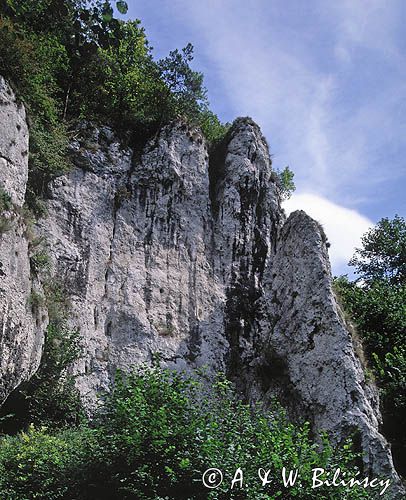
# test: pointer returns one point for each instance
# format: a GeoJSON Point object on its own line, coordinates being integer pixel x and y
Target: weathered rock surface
{"type": "Point", "coordinates": [13, 144]}
{"type": "Point", "coordinates": [132, 245]}
{"type": "Point", "coordinates": [21, 324]}
{"type": "Point", "coordinates": [190, 258]}
{"type": "Point", "coordinates": [307, 338]}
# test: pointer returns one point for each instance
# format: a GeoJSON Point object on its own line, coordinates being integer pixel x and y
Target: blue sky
{"type": "Point", "coordinates": [325, 80]}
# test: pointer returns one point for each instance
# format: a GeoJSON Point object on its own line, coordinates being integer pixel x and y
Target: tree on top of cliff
{"type": "Point", "coordinates": [72, 60]}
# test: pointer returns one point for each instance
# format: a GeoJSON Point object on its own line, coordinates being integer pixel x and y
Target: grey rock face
{"type": "Point", "coordinates": [308, 340]}
{"type": "Point", "coordinates": [22, 322]}
{"type": "Point", "coordinates": [191, 259]}
{"type": "Point", "coordinates": [188, 257]}
{"type": "Point", "coordinates": [133, 246]}
{"type": "Point", "coordinates": [13, 144]}
{"type": "Point", "coordinates": [247, 218]}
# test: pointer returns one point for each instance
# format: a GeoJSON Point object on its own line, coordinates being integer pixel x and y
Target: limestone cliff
{"type": "Point", "coordinates": [22, 322]}
{"type": "Point", "coordinates": [188, 256]}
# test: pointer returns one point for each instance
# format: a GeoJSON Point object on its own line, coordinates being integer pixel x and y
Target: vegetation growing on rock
{"type": "Point", "coordinates": [73, 59]}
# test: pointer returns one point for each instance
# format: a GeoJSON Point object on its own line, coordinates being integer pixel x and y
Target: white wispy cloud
{"type": "Point", "coordinates": [371, 24]}
{"type": "Point", "coordinates": [298, 92]}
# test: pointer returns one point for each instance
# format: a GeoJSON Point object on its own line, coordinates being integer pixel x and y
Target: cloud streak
{"type": "Point", "coordinates": [321, 115]}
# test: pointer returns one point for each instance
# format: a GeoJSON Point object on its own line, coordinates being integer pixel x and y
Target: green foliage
{"type": "Point", "coordinates": [72, 59]}
{"type": "Point", "coordinates": [122, 7]}
{"type": "Point", "coordinates": [392, 368]}
{"type": "Point", "coordinates": [50, 397]}
{"type": "Point", "coordinates": [37, 464]}
{"type": "Point", "coordinates": [212, 128]}
{"type": "Point", "coordinates": [48, 154]}
{"type": "Point", "coordinates": [6, 224]}
{"type": "Point", "coordinates": [379, 310]}
{"type": "Point", "coordinates": [56, 300]}
{"type": "Point", "coordinates": [6, 205]}
{"type": "Point", "coordinates": [157, 434]}
{"type": "Point", "coordinates": [285, 181]}
{"type": "Point", "coordinates": [34, 62]}
{"type": "Point", "coordinates": [125, 85]}
{"type": "Point", "coordinates": [383, 252]}
{"type": "Point", "coordinates": [5, 201]}
{"type": "Point", "coordinates": [168, 429]}
{"type": "Point", "coordinates": [31, 464]}
{"type": "Point", "coordinates": [377, 303]}
{"type": "Point", "coordinates": [40, 261]}
{"type": "Point", "coordinates": [36, 300]}
{"type": "Point", "coordinates": [185, 93]}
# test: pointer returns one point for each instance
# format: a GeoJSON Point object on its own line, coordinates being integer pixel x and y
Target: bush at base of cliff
{"type": "Point", "coordinates": [50, 397]}
{"type": "Point", "coordinates": [158, 432]}
{"type": "Point", "coordinates": [34, 464]}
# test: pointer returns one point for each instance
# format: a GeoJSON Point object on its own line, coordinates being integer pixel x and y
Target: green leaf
{"type": "Point", "coordinates": [122, 7]}
{"type": "Point", "coordinates": [107, 14]}
{"type": "Point", "coordinates": [107, 17]}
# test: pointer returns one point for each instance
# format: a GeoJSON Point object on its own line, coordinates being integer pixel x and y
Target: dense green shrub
{"type": "Point", "coordinates": [34, 62]}
{"type": "Point", "coordinates": [156, 435]}
{"type": "Point", "coordinates": [212, 128]}
{"type": "Point", "coordinates": [162, 430]}
{"type": "Point", "coordinates": [33, 464]}
{"type": "Point", "coordinates": [379, 312]}
{"type": "Point", "coordinates": [50, 397]}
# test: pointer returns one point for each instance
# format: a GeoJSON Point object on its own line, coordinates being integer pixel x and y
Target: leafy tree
{"type": "Point", "coordinates": [185, 92]}
{"type": "Point", "coordinates": [73, 60]}
{"type": "Point", "coordinates": [35, 62]}
{"type": "Point", "coordinates": [377, 303]}
{"type": "Point", "coordinates": [383, 254]}
{"type": "Point", "coordinates": [54, 15]}
{"type": "Point", "coordinates": [127, 82]}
